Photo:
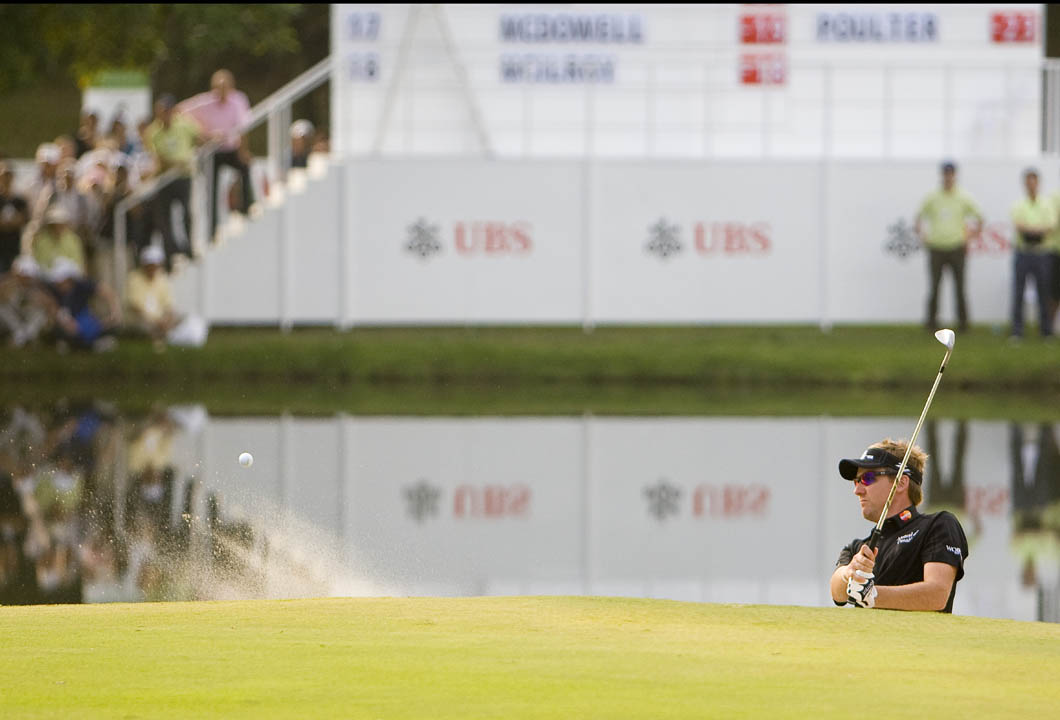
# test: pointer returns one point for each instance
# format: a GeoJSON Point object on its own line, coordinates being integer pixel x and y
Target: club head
{"type": "Point", "coordinates": [946, 337]}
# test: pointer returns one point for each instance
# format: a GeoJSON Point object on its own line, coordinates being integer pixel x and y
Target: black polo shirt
{"type": "Point", "coordinates": [910, 539]}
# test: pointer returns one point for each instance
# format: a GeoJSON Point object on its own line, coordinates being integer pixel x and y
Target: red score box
{"type": "Point", "coordinates": [763, 29]}
{"type": "Point", "coordinates": [1014, 27]}
{"type": "Point", "coordinates": [763, 69]}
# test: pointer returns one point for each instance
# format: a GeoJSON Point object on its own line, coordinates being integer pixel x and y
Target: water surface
{"type": "Point", "coordinates": [99, 506]}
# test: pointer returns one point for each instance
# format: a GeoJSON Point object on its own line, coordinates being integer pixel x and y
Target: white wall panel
{"type": "Point", "coordinates": [500, 241]}
{"type": "Point", "coordinates": [740, 239]}
{"type": "Point", "coordinates": [612, 241]}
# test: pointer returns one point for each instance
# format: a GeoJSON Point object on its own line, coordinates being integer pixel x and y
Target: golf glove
{"type": "Point", "coordinates": [861, 590]}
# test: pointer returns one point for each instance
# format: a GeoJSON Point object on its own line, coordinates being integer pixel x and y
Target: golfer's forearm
{"type": "Point", "coordinates": [915, 596]}
{"type": "Point", "coordinates": [838, 584]}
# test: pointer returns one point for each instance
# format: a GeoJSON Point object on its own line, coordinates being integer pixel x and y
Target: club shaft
{"type": "Point", "coordinates": [875, 537]}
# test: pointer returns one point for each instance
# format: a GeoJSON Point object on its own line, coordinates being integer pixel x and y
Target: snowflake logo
{"type": "Point", "coordinates": [423, 239]}
{"type": "Point", "coordinates": [663, 499]}
{"type": "Point", "coordinates": [901, 239]}
{"type": "Point", "coordinates": [663, 239]}
{"type": "Point", "coordinates": [422, 499]}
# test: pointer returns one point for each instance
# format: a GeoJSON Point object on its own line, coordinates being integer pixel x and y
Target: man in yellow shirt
{"type": "Point", "coordinates": [172, 140]}
{"type": "Point", "coordinates": [1053, 244]}
{"type": "Point", "coordinates": [1033, 218]}
{"type": "Point", "coordinates": [150, 299]}
{"type": "Point", "coordinates": [948, 212]}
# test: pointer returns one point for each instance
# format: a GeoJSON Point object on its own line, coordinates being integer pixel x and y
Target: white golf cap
{"type": "Point", "coordinates": [301, 128]}
{"type": "Point", "coordinates": [119, 159]}
{"type": "Point", "coordinates": [48, 153]}
{"type": "Point", "coordinates": [152, 255]}
{"type": "Point", "coordinates": [64, 269]}
{"type": "Point", "coordinates": [26, 265]}
{"type": "Point", "coordinates": [56, 214]}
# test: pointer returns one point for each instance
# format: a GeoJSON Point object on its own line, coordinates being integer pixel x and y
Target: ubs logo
{"type": "Point", "coordinates": [730, 239]}
{"type": "Point", "coordinates": [901, 239]}
{"type": "Point", "coordinates": [423, 239]}
{"type": "Point", "coordinates": [470, 238]}
{"type": "Point", "coordinates": [665, 500]}
{"type": "Point", "coordinates": [992, 239]}
{"type": "Point", "coordinates": [425, 501]}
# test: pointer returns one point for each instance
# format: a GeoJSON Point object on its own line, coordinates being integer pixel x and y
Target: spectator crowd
{"type": "Point", "coordinates": [58, 232]}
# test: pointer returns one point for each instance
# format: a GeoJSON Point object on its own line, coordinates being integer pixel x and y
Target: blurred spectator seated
{"type": "Point", "coordinates": [118, 135]}
{"type": "Point", "coordinates": [67, 148]}
{"type": "Point", "coordinates": [78, 323]}
{"type": "Point", "coordinates": [82, 207]}
{"type": "Point", "coordinates": [301, 137]}
{"type": "Point", "coordinates": [318, 155]}
{"type": "Point", "coordinates": [308, 155]}
{"type": "Point", "coordinates": [56, 240]}
{"type": "Point", "coordinates": [149, 298]}
{"type": "Point", "coordinates": [87, 134]}
{"type": "Point", "coordinates": [118, 188]}
{"type": "Point", "coordinates": [93, 168]}
{"type": "Point", "coordinates": [25, 306]}
{"type": "Point", "coordinates": [40, 192]}
{"type": "Point", "coordinates": [14, 216]}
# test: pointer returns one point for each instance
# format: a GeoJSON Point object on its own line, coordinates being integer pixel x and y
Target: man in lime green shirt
{"type": "Point", "coordinates": [1033, 218]}
{"type": "Point", "coordinates": [56, 240]}
{"type": "Point", "coordinates": [172, 139]}
{"type": "Point", "coordinates": [1052, 241]}
{"type": "Point", "coordinates": [947, 211]}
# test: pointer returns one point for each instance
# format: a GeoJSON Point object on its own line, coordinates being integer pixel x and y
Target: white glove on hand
{"type": "Point", "coordinates": [861, 589]}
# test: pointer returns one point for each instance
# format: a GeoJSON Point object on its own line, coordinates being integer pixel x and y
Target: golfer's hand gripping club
{"type": "Point", "coordinates": [861, 589]}
{"type": "Point", "coordinates": [947, 338]}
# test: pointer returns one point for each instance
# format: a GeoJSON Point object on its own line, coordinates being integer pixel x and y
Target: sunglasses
{"type": "Point", "coordinates": [868, 478]}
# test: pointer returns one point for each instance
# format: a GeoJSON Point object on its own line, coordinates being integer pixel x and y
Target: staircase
{"type": "Point", "coordinates": [249, 274]}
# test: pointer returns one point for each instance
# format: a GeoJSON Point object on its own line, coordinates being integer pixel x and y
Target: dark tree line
{"type": "Point", "coordinates": [178, 46]}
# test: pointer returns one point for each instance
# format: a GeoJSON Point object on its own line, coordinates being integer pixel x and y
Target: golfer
{"type": "Point", "coordinates": [919, 559]}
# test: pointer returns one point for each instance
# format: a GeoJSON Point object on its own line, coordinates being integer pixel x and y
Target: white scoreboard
{"type": "Point", "coordinates": [686, 80]}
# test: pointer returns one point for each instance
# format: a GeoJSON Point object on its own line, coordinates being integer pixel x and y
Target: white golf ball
{"type": "Point", "coordinates": [246, 459]}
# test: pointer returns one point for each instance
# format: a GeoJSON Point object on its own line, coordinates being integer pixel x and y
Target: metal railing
{"type": "Point", "coordinates": [276, 111]}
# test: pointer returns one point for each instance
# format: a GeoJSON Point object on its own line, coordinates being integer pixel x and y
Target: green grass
{"type": "Point", "coordinates": [643, 370]}
{"type": "Point", "coordinates": [517, 658]}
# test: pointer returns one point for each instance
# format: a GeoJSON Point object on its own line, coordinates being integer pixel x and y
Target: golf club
{"type": "Point", "coordinates": [947, 338]}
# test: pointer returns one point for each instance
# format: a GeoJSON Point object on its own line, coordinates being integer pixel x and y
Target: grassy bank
{"type": "Point", "coordinates": [516, 658]}
{"type": "Point", "coordinates": [528, 370]}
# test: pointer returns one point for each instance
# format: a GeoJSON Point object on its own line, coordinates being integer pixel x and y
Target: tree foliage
{"type": "Point", "coordinates": [178, 45]}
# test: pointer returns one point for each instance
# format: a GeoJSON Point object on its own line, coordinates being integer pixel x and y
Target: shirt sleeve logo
{"type": "Point", "coordinates": [955, 550]}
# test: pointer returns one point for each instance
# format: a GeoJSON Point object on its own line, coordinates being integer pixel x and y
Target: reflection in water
{"type": "Point", "coordinates": [1036, 510]}
{"type": "Point", "coordinates": [87, 500]}
{"type": "Point", "coordinates": [95, 506]}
